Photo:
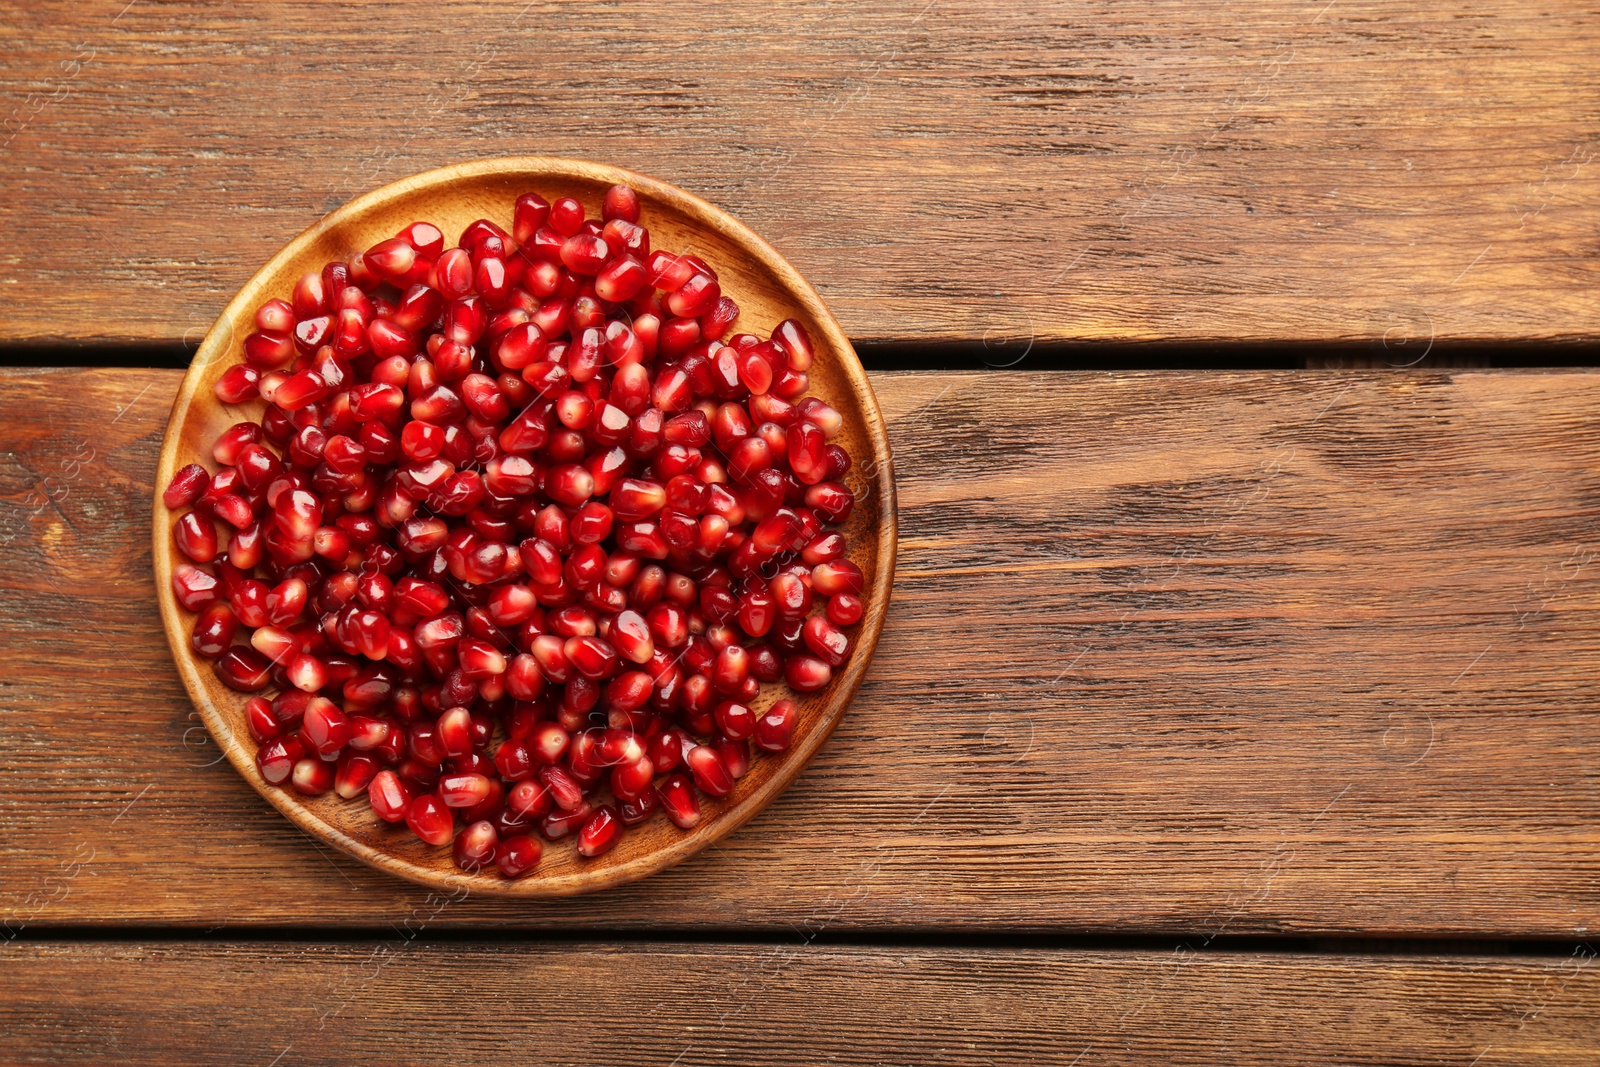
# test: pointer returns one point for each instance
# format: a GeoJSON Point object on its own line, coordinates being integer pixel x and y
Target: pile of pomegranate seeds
{"type": "Point", "coordinates": [519, 538]}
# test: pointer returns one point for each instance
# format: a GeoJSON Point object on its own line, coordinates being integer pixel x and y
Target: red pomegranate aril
{"type": "Point", "coordinates": [617, 281]}
{"type": "Point", "coordinates": [710, 772]}
{"type": "Point", "coordinates": [585, 254]}
{"type": "Point", "coordinates": [600, 832]}
{"type": "Point", "coordinates": [196, 537]}
{"type": "Point", "coordinates": [669, 272]}
{"type": "Point", "coordinates": [243, 669]}
{"type": "Point", "coordinates": [530, 212]}
{"type": "Point", "coordinates": [529, 799]}
{"type": "Point", "coordinates": [697, 296]}
{"type": "Point", "coordinates": [233, 510]}
{"type": "Point", "coordinates": [735, 755]}
{"type": "Point", "coordinates": [454, 732]}
{"type": "Point", "coordinates": [276, 759]}
{"type": "Point", "coordinates": [775, 730]}
{"type": "Point", "coordinates": [214, 631]}
{"type": "Point", "coordinates": [558, 824]}
{"type": "Point", "coordinates": [517, 854]}
{"type": "Point", "coordinates": [391, 260]}
{"type": "Point", "coordinates": [830, 643]}
{"type": "Point", "coordinates": [307, 673]}
{"type": "Point", "coordinates": [549, 742]}
{"type": "Point", "coordinates": [735, 720]}
{"type": "Point", "coordinates": [565, 791]}
{"type": "Point", "coordinates": [354, 774]}
{"type": "Point", "coordinates": [514, 761]}
{"type": "Point", "coordinates": [389, 797]}
{"type": "Point", "coordinates": [731, 669]}
{"type": "Point", "coordinates": [425, 237]}
{"type": "Point", "coordinates": [680, 801]}
{"type": "Point", "coordinates": [276, 643]}
{"type": "Point", "coordinates": [566, 216]}
{"type": "Point", "coordinates": [430, 820]}
{"type": "Point", "coordinates": [823, 548]}
{"type": "Point", "coordinates": [637, 809]}
{"type": "Point", "coordinates": [325, 728]}
{"type": "Point", "coordinates": [268, 351]}
{"type": "Point", "coordinates": [312, 777]}
{"type": "Point", "coordinates": [716, 322]}
{"type": "Point", "coordinates": [475, 846]}
{"type": "Point", "coordinates": [796, 344]}
{"type": "Point", "coordinates": [238, 384]}
{"type": "Point", "coordinates": [186, 486]}
{"type": "Point", "coordinates": [463, 790]}
{"type": "Point", "coordinates": [844, 609]}
{"type": "Point", "coordinates": [831, 501]}
{"type": "Point", "coordinates": [368, 733]}
{"type": "Point", "coordinates": [806, 674]}
{"type": "Point", "coordinates": [306, 387]}
{"type": "Point", "coordinates": [275, 316]}
{"type": "Point", "coordinates": [620, 202]}
{"type": "Point", "coordinates": [837, 576]}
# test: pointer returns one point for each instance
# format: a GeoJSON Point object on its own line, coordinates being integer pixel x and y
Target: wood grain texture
{"type": "Point", "coordinates": [414, 1001]}
{"type": "Point", "coordinates": [769, 292]}
{"type": "Point", "coordinates": [959, 170]}
{"type": "Point", "coordinates": [1211, 653]}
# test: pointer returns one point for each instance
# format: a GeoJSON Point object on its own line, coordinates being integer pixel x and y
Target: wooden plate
{"type": "Point", "coordinates": [768, 291]}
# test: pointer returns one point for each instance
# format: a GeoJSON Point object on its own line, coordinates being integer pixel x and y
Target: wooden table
{"type": "Point", "coordinates": [1238, 698]}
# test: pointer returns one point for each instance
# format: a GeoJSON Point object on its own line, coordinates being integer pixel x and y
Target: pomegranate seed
{"type": "Point", "coordinates": [600, 832]}
{"type": "Point", "coordinates": [775, 729]}
{"type": "Point", "coordinates": [735, 720]}
{"type": "Point", "coordinates": [565, 792]}
{"type": "Point", "coordinates": [238, 384]}
{"type": "Point", "coordinates": [837, 576]}
{"type": "Point", "coordinates": [830, 643]}
{"type": "Point", "coordinates": [710, 773]}
{"type": "Point", "coordinates": [276, 759]}
{"type": "Point", "coordinates": [844, 609]}
{"type": "Point", "coordinates": [558, 824]}
{"type": "Point", "coordinates": [517, 854]}
{"type": "Point", "coordinates": [529, 798]}
{"type": "Point", "coordinates": [566, 216]}
{"type": "Point", "coordinates": [243, 669]}
{"type": "Point", "coordinates": [617, 281]}
{"type": "Point", "coordinates": [806, 674]}
{"type": "Point", "coordinates": [389, 797]}
{"type": "Point", "coordinates": [354, 774]}
{"type": "Point", "coordinates": [679, 800]}
{"type": "Point", "coordinates": [214, 631]}
{"type": "Point", "coordinates": [735, 755]}
{"type": "Point", "coordinates": [530, 212]}
{"type": "Point", "coordinates": [620, 202]}
{"type": "Point", "coordinates": [476, 845]}
{"type": "Point", "coordinates": [325, 728]}
{"type": "Point", "coordinates": [186, 486]}
{"type": "Point", "coordinates": [454, 732]}
{"type": "Point", "coordinates": [196, 537]}
{"type": "Point", "coordinates": [391, 259]}
{"type": "Point", "coordinates": [430, 820]}
{"type": "Point", "coordinates": [549, 742]}
{"type": "Point", "coordinates": [368, 733]}
{"type": "Point", "coordinates": [638, 809]}
{"type": "Point", "coordinates": [312, 777]}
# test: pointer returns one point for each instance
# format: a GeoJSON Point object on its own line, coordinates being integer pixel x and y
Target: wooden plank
{"type": "Point", "coordinates": [1215, 653]}
{"type": "Point", "coordinates": [948, 171]}
{"type": "Point", "coordinates": [416, 1001]}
